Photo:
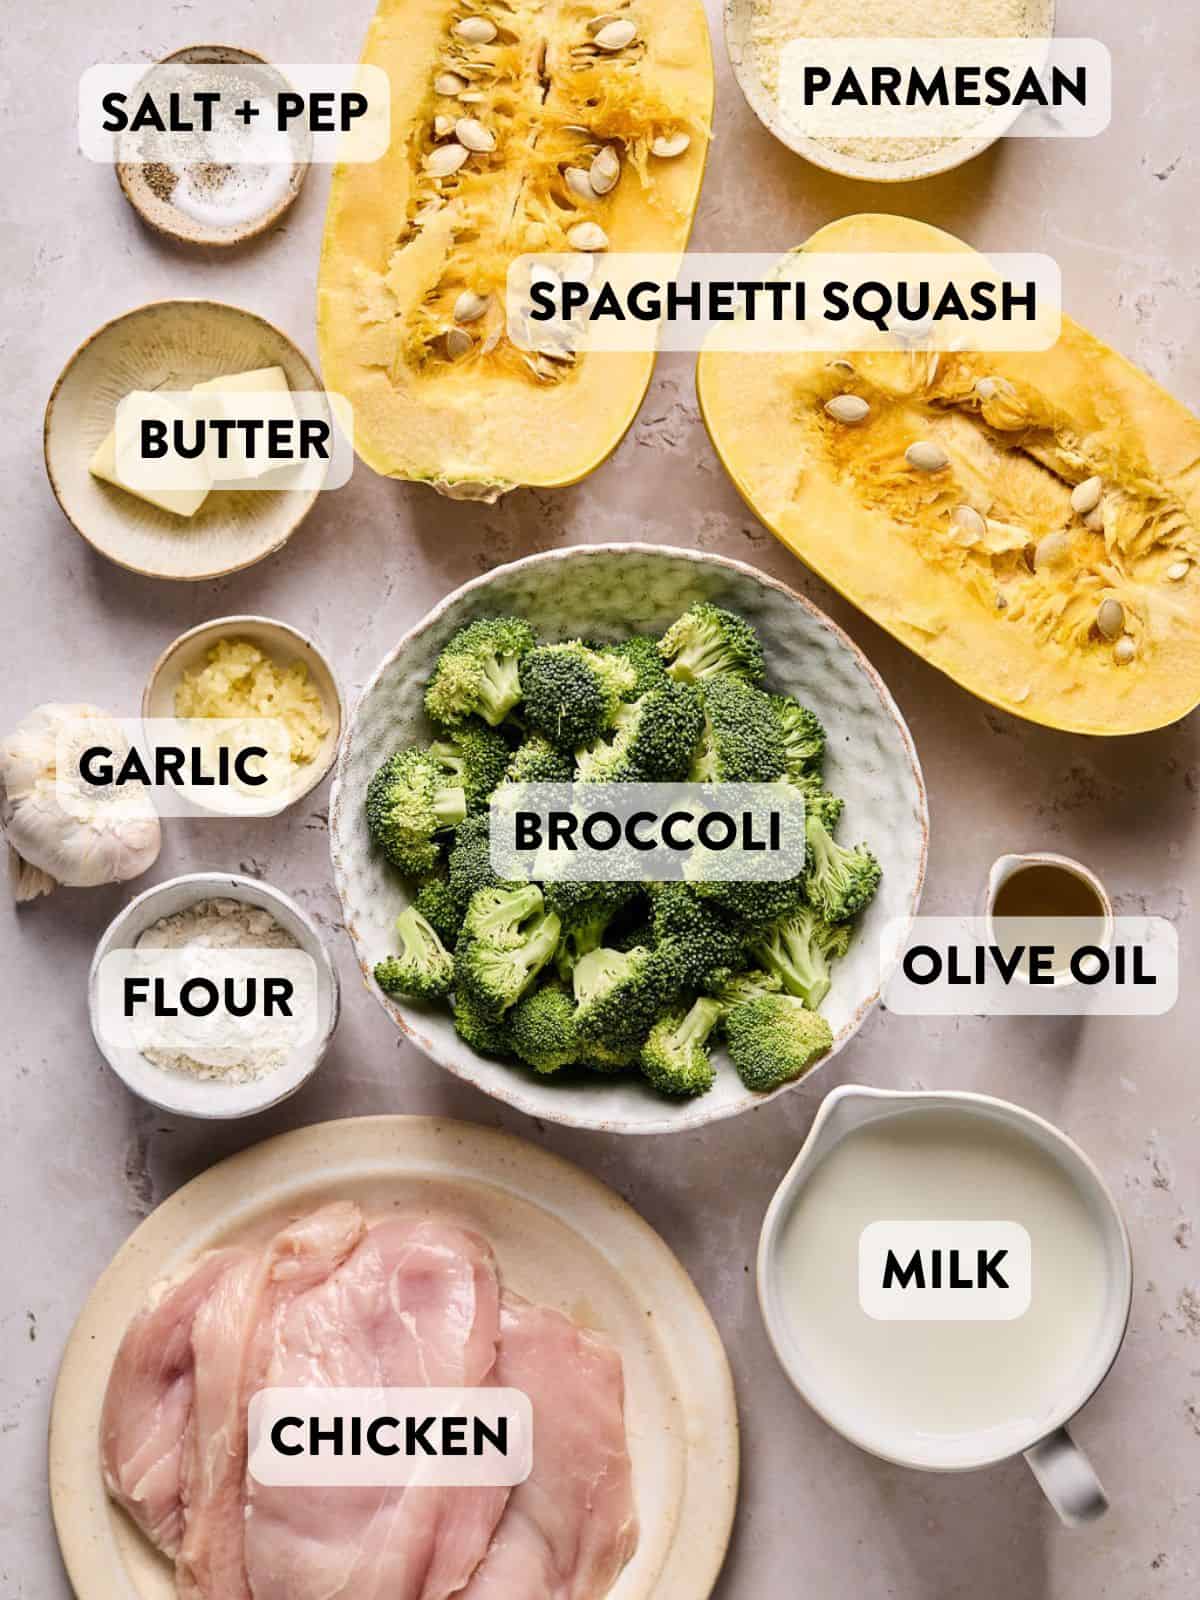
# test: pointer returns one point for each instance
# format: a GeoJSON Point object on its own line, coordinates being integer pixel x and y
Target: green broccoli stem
{"type": "Point", "coordinates": [499, 688]}
{"type": "Point", "coordinates": [699, 1022]}
{"type": "Point", "coordinates": [450, 807]}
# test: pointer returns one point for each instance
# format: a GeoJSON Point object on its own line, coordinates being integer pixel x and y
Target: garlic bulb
{"type": "Point", "coordinates": [64, 832]}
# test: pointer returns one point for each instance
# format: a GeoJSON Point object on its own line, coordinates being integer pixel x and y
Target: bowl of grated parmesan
{"type": "Point", "coordinates": [764, 41]}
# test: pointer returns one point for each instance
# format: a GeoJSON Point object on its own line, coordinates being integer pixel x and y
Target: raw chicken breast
{"type": "Point", "coordinates": [330, 1302]}
{"type": "Point", "coordinates": [232, 1339]}
{"type": "Point", "coordinates": [146, 1424]}
{"type": "Point", "coordinates": [570, 1527]}
{"type": "Point", "coordinates": [416, 1304]}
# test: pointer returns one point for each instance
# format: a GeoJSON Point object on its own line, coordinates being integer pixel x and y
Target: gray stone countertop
{"type": "Point", "coordinates": [82, 1162]}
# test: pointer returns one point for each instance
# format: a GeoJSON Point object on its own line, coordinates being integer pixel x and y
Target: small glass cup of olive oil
{"type": "Point", "coordinates": [1048, 900]}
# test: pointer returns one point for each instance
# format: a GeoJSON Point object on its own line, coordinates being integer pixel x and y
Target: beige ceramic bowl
{"type": "Point", "coordinates": [158, 211]}
{"type": "Point", "coordinates": [608, 592]}
{"type": "Point", "coordinates": [743, 57]}
{"type": "Point", "coordinates": [283, 644]}
{"type": "Point", "coordinates": [168, 344]}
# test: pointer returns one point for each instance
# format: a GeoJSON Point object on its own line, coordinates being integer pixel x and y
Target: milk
{"type": "Point", "coordinates": [942, 1393]}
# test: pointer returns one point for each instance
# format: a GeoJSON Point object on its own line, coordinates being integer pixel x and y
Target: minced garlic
{"type": "Point", "coordinates": [238, 681]}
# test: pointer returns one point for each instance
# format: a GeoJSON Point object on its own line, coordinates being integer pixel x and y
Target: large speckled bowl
{"type": "Point", "coordinates": [608, 591]}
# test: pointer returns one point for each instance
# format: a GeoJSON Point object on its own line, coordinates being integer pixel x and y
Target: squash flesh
{"type": "Point", "coordinates": [1020, 635]}
{"type": "Point", "coordinates": [400, 246]}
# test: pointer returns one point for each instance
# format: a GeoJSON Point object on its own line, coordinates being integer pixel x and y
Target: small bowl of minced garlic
{"type": "Point", "coordinates": [213, 996]}
{"type": "Point", "coordinates": [255, 680]}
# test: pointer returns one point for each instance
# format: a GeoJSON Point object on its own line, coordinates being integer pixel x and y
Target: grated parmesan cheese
{"type": "Point", "coordinates": [777, 23]}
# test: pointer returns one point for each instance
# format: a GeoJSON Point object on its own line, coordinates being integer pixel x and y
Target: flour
{"type": "Point", "coordinates": [219, 925]}
{"type": "Point", "coordinates": [778, 22]}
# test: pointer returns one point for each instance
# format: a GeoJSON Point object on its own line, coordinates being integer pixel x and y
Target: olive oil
{"type": "Point", "coordinates": [1044, 889]}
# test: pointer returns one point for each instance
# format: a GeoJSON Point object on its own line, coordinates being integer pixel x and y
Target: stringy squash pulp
{"type": "Point", "coordinates": [1047, 557]}
{"type": "Point", "coordinates": [500, 112]}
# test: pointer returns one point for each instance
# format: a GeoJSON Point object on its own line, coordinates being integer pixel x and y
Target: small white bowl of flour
{"type": "Point", "coordinates": [185, 926]}
{"type": "Point", "coordinates": [758, 33]}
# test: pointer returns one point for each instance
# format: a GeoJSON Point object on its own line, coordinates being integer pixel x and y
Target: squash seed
{"type": "Point", "coordinates": [1094, 520]}
{"type": "Point", "coordinates": [669, 145]}
{"type": "Point", "coordinates": [469, 306]}
{"type": "Point", "coordinates": [595, 25]}
{"type": "Point", "coordinates": [1124, 651]}
{"type": "Point", "coordinates": [457, 343]}
{"type": "Point", "coordinates": [449, 83]}
{"type": "Point", "coordinates": [927, 457]}
{"type": "Point", "coordinates": [474, 135]}
{"type": "Point", "coordinates": [970, 524]}
{"type": "Point", "coordinates": [476, 30]}
{"type": "Point", "coordinates": [605, 170]}
{"type": "Point", "coordinates": [1051, 551]}
{"type": "Point", "coordinates": [847, 408]}
{"type": "Point", "coordinates": [1085, 496]}
{"type": "Point", "coordinates": [841, 364]}
{"type": "Point", "coordinates": [615, 35]}
{"type": "Point", "coordinates": [579, 183]}
{"type": "Point", "coordinates": [1178, 570]}
{"type": "Point", "coordinates": [587, 236]}
{"type": "Point", "coordinates": [1110, 619]}
{"type": "Point", "coordinates": [443, 127]}
{"type": "Point", "coordinates": [989, 388]}
{"type": "Point", "coordinates": [446, 159]}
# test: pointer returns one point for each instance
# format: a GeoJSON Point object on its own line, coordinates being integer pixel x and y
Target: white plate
{"type": "Point", "coordinates": [560, 1237]}
{"type": "Point", "coordinates": [610, 591]}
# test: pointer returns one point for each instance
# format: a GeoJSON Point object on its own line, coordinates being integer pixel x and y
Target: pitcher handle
{"type": "Point", "coordinates": [1067, 1479]}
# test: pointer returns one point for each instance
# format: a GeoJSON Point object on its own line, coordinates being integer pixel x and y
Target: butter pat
{"type": "Point", "coordinates": [190, 481]}
{"type": "Point", "coordinates": [259, 396]}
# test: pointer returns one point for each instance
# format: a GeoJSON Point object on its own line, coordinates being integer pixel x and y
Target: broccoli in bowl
{"type": "Point", "coordinates": [658, 983]}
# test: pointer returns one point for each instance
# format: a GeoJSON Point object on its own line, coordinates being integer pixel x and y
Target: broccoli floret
{"type": "Point", "coordinates": [775, 1039]}
{"type": "Point", "coordinates": [799, 951]}
{"type": "Point", "coordinates": [479, 1027]}
{"type": "Point", "coordinates": [752, 904]}
{"type": "Point", "coordinates": [652, 740]}
{"type": "Point", "coordinates": [819, 803]}
{"type": "Point", "coordinates": [571, 694]}
{"type": "Point", "coordinates": [441, 908]}
{"type": "Point", "coordinates": [424, 969]}
{"type": "Point", "coordinates": [409, 802]}
{"type": "Point", "coordinates": [538, 761]}
{"type": "Point", "coordinates": [478, 673]}
{"type": "Point", "coordinates": [803, 737]}
{"type": "Point", "coordinates": [601, 1058]}
{"type": "Point", "coordinates": [641, 652]}
{"type": "Point", "coordinates": [840, 881]}
{"type": "Point", "coordinates": [470, 861]}
{"type": "Point", "coordinates": [694, 936]}
{"type": "Point", "coordinates": [742, 741]}
{"type": "Point", "coordinates": [543, 1030]}
{"type": "Point", "coordinates": [675, 1057]}
{"type": "Point", "coordinates": [473, 757]}
{"type": "Point", "coordinates": [707, 640]}
{"type": "Point", "coordinates": [619, 996]}
{"type": "Point", "coordinates": [734, 989]}
{"type": "Point", "coordinates": [507, 938]}
{"type": "Point", "coordinates": [585, 911]}
{"type": "Point", "coordinates": [498, 916]}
